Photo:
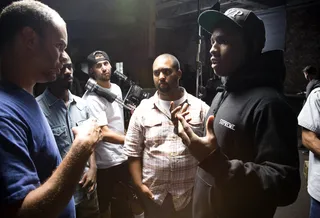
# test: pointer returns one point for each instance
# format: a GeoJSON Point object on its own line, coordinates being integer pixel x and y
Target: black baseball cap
{"type": "Point", "coordinates": [96, 57]}
{"type": "Point", "coordinates": [245, 20]}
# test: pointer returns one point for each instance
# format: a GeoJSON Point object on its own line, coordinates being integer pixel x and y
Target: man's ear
{"type": "Point", "coordinates": [179, 73]}
{"type": "Point", "coordinates": [29, 37]}
{"type": "Point", "coordinates": [91, 73]}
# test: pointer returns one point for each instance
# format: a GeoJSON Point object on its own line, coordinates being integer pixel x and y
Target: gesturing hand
{"type": "Point", "coordinates": [89, 133]}
{"type": "Point", "coordinates": [200, 147]}
{"type": "Point", "coordinates": [88, 180]}
{"type": "Point", "coordinates": [178, 110]}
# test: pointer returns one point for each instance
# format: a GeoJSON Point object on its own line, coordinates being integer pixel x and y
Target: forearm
{"type": "Point", "coordinates": [51, 198]}
{"type": "Point", "coordinates": [113, 137]}
{"type": "Point", "coordinates": [92, 162]}
{"type": "Point", "coordinates": [258, 182]}
{"type": "Point", "coordinates": [135, 169]}
{"type": "Point", "coordinates": [311, 141]}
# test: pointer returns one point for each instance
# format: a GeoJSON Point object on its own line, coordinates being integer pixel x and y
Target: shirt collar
{"type": "Point", "coordinates": [53, 99]}
{"type": "Point", "coordinates": [156, 98]}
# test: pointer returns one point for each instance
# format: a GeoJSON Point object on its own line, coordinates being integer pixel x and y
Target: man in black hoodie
{"type": "Point", "coordinates": [248, 160]}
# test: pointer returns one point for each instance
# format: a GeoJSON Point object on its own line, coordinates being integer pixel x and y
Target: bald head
{"type": "Point", "coordinates": [166, 76]}
{"type": "Point", "coordinates": [164, 57]}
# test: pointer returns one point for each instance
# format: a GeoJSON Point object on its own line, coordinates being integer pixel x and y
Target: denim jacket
{"type": "Point", "coordinates": [61, 119]}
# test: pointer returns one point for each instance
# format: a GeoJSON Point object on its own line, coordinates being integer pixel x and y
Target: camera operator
{"type": "Point", "coordinates": [112, 166]}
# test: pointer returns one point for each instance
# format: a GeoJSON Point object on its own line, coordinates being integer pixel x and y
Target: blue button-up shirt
{"type": "Point", "coordinates": [62, 117]}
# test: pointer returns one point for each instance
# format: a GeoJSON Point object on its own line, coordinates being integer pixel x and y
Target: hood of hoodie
{"type": "Point", "coordinates": [266, 70]}
{"type": "Point", "coordinates": [315, 83]}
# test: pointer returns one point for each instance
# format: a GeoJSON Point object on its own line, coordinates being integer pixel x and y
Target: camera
{"type": "Point", "coordinates": [92, 86]}
{"type": "Point", "coordinates": [135, 93]}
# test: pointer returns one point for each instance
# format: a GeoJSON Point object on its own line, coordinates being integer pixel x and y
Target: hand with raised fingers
{"type": "Point", "coordinates": [200, 147]}
{"type": "Point", "coordinates": [178, 110]}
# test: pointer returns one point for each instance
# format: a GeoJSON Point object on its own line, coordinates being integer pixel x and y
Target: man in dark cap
{"type": "Point", "coordinates": [248, 160]}
{"type": "Point", "coordinates": [112, 164]}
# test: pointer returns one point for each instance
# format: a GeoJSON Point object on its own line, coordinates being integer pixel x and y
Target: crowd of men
{"type": "Point", "coordinates": [63, 155]}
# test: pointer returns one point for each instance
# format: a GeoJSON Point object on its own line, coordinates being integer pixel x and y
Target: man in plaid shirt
{"type": "Point", "coordinates": [161, 166]}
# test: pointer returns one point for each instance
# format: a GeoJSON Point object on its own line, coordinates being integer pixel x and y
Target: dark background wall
{"type": "Point", "coordinates": [298, 35]}
{"type": "Point", "coordinates": [302, 44]}
{"type": "Point", "coordinates": [126, 30]}
{"type": "Point", "coordinates": [122, 30]}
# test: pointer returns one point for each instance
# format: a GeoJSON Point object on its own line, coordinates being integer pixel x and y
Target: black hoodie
{"type": "Point", "coordinates": [256, 167]}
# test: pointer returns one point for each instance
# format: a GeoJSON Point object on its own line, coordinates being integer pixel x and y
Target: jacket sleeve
{"type": "Point", "coordinates": [273, 177]}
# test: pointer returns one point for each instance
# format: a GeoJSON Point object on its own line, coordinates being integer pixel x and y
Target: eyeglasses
{"type": "Point", "coordinates": [65, 66]}
{"type": "Point", "coordinates": [165, 71]}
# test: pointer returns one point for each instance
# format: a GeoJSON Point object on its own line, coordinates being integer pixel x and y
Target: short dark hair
{"type": "Point", "coordinates": [310, 70]}
{"type": "Point", "coordinates": [17, 15]}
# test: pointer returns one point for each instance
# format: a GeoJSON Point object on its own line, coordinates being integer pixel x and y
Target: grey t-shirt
{"type": "Point", "coordinates": [111, 114]}
{"type": "Point", "coordinates": [309, 118]}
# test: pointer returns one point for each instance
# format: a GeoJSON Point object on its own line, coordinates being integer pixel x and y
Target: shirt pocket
{"type": "Point", "coordinates": [154, 133]}
{"type": "Point", "coordinates": [61, 136]}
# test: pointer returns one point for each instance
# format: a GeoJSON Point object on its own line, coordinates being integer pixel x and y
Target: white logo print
{"type": "Point", "coordinates": [227, 124]}
{"type": "Point", "coordinates": [234, 12]}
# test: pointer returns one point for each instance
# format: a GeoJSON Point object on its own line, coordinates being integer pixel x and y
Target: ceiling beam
{"type": "Point", "coordinates": [176, 8]}
{"type": "Point", "coordinates": [168, 4]}
{"type": "Point", "coordinates": [179, 15]}
{"type": "Point", "coordinates": [185, 8]}
{"type": "Point", "coordinates": [171, 3]}
{"type": "Point", "coordinates": [297, 4]}
{"type": "Point", "coordinates": [168, 24]}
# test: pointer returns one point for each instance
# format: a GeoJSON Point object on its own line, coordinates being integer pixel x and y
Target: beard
{"type": "Point", "coordinates": [62, 84]}
{"type": "Point", "coordinates": [163, 87]}
{"type": "Point", "coordinates": [69, 85]}
{"type": "Point", "coordinates": [103, 78]}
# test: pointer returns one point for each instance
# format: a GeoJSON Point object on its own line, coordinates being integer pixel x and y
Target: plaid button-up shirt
{"type": "Point", "coordinates": [168, 166]}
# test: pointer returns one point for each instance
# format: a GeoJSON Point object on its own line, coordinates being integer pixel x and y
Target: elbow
{"type": "Point", "coordinates": [305, 141]}
{"type": "Point", "coordinates": [106, 137]}
{"type": "Point", "coordinates": [308, 139]}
